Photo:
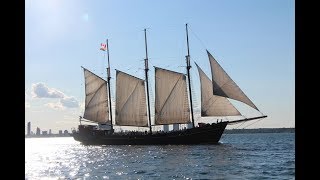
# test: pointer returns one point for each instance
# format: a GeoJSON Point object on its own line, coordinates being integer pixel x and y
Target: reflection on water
{"type": "Point", "coordinates": [239, 156]}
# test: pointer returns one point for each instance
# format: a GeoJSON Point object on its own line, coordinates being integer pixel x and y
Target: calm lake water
{"type": "Point", "coordinates": [239, 156]}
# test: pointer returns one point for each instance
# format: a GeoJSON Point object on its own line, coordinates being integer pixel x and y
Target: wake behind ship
{"type": "Point", "coordinates": [173, 105]}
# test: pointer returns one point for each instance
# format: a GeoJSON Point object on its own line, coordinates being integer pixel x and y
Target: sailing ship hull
{"type": "Point", "coordinates": [206, 134]}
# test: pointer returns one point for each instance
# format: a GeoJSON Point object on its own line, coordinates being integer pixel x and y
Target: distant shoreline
{"type": "Point", "coordinates": [226, 131]}
{"type": "Point", "coordinates": [47, 135]}
{"type": "Point", "coordinates": [260, 130]}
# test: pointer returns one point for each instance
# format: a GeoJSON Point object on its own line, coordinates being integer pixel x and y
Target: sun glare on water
{"type": "Point", "coordinates": [42, 155]}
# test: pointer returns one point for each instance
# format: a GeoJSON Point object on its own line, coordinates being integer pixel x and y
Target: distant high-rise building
{"type": "Point", "coordinates": [175, 127]}
{"type": "Point", "coordinates": [49, 131]}
{"type": "Point", "coordinates": [60, 132]}
{"type": "Point", "coordinates": [166, 128]}
{"type": "Point", "coordinates": [38, 131]}
{"type": "Point", "coordinates": [44, 132]}
{"type": "Point", "coordinates": [29, 128]}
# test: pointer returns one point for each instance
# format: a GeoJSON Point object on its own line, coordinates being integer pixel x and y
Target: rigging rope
{"type": "Point", "coordinates": [201, 42]}
{"type": "Point", "coordinates": [239, 125]}
{"type": "Point", "coordinates": [252, 123]}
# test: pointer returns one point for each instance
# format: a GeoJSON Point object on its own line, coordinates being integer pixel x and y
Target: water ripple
{"type": "Point", "coordinates": [240, 156]}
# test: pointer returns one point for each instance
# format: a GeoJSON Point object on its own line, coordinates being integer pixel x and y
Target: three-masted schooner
{"type": "Point", "coordinates": [173, 105]}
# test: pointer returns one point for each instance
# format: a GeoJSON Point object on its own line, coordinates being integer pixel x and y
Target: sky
{"type": "Point", "coordinates": [254, 41]}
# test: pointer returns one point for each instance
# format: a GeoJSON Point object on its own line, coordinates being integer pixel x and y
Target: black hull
{"type": "Point", "coordinates": [206, 134]}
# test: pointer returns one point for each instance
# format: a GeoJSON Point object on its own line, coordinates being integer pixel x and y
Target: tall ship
{"type": "Point", "coordinates": [173, 106]}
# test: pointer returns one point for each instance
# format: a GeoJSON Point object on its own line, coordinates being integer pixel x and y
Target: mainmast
{"type": "Point", "coordinates": [188, 73]}
{"type": "Point", "coordinates": [109, 77]}
{"type": "Point", "coordinates": [146, 74]}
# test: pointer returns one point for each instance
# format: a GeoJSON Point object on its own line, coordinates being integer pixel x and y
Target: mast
{"type": "Point", "coordinates": [109, 77]}
{"type": "Point", "coordinates": [146, 74]}
{"type": "Point", "coordinates": [188, 73]}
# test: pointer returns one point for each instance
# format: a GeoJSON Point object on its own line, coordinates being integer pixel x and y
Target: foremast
{"type": "Point", "coordinates": [109, 92]}
{"type": "Point", "coordinates": [188, 73]}
{"type": "Point", "coordinates": [146, 76]}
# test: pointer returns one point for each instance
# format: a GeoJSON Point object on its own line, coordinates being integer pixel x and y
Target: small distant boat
{"type": "Point", "coordinates": [173, 105]}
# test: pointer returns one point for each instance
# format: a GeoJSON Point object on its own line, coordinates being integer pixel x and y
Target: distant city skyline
{"type": "Point", "coordinates": [36, 128]}
{"type": "Point", "coordinates": [254, 41]}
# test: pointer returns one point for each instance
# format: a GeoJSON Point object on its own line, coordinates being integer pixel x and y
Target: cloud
{"type": "Point", "coordinates": [66, 102]}
{"type": "Point", "coordinates": [57, 106]}
{"type": "Point", "coordinates": [69, 102]}
{"type": "Point", "coordinates": [40, 90]}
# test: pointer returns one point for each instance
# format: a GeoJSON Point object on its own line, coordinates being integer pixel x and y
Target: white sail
{"type": "Point", "coordinates": [130, 101]}
{"type": "Point", "coordinates": [171, 98]}
{"type": "Point", "coordinates": [96, 100]}
{"type": "Point", "coordinates": [224, 86]}
{"type": "Point", "coordinates": [212, 105]}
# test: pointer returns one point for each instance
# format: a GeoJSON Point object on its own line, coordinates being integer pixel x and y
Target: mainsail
{"type": "Point", "coordinates": [130, 100]}
{"type": "Point", "coordinates": [224, 86]}
{"type": "Point", "coordinates": [171, 98]}
{"type": "Point", "coordinates": [96, 100]}
{"type": "Point", "coordinates": [212, 105]}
